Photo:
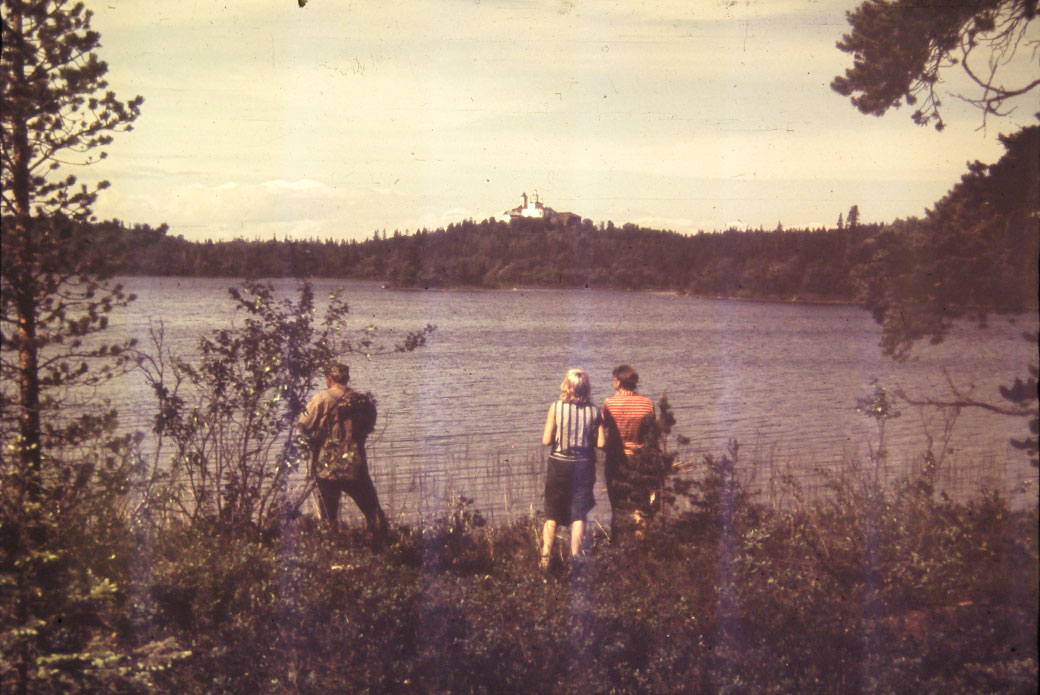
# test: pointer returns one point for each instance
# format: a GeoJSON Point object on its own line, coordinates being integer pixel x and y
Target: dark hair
{"type": "Point", "coordinates": [627, 377]}
{"type": "Point", "coordinates": [338, 372]}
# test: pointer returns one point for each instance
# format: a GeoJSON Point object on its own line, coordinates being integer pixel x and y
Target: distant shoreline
{"type": "Point", "coordinates": [518, 289]}
{"type": "Point", "coordinates": [548, 288]}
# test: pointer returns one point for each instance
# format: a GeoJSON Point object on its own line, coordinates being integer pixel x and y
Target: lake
{"type": "Point", "coordinates": [464, 414]}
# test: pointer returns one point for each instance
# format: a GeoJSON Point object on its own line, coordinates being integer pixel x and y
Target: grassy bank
{"type": "Point", "coordinates": [862, 590]}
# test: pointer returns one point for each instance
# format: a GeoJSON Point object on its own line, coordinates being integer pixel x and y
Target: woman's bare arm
{"type": "Point", "coordinates": [550, 428]}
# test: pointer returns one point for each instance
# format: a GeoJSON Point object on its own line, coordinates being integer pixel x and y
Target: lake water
{"type": "Point", "coordinates": [464, 414]}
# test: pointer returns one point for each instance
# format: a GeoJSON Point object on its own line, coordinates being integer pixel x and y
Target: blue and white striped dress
{"type": "Point", "coordinates": [571, 469]}
{"type": "Point", "coordinates": [576, 429]}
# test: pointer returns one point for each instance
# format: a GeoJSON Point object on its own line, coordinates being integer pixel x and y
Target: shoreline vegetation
{"type": "Point", "coordinates": [817, 266]}
{"type": "Point", "coordinates": [523, 255]}
{"type": "Point", "coordinates": [869, 588]}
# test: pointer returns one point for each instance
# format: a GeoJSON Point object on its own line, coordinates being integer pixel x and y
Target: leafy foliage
{"type": "Point", "coordinates": [976, 251]}
{"type": "Point", "coordinates": [227, 417]}
{"type": "Point", "coordinates": [1022, 394]}
{"type": "Point", "coordinates": [862, 589]}
{"type": "Point", "coordinates": [64, 584]}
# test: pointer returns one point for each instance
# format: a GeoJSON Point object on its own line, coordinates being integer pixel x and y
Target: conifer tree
{"type": "Point", "coordinates": [853, 218]}
{"type": "Point", "coordinates": [63, 609]}
{"type": "Point", "coordinates": [902, 48]}
{"type": "Point", "coordinates": [978, 247]}
{"type": "Point", "coordinates": [58, 114]}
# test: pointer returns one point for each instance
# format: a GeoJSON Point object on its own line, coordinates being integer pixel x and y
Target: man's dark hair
{"type": "Point", "coordinates": [627, 377]}
{"type": "Point", "coordinates": [338, 372]}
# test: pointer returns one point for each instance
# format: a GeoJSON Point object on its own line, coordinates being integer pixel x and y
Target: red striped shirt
{"type": "Point", "coordinates": [631, 414]}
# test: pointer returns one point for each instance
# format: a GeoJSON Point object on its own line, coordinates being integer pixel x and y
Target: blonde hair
{"type": "Point", "coordinates": [575, 387]}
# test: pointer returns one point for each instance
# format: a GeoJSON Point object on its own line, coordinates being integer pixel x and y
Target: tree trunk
{"type": "Point", "coordinates": [24, 248]}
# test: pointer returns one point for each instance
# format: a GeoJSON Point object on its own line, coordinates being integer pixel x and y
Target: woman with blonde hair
{"type": "Point", "coordinates": [573, 428]}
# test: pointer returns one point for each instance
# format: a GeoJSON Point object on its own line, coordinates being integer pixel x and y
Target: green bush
{"type": "Point", "coordinates": [66, 564]}
{"type": "Point", "coordinates": [863, 589]}
{"type": "Point", "coordinates": [730, 596]}
{"type": "Point", "coordinates": [225, 444]}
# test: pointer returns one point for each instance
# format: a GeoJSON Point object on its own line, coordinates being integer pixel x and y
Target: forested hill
{"type": "Point", "coordinates": [803, 264]}
{"type": "Point", "coordinates": [976, 248]}
{"type": "Point", "coordinates": [533, 253]}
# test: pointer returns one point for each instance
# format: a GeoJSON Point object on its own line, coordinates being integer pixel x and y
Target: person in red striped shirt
{"type": "Point", "coordinates": [627, 417]}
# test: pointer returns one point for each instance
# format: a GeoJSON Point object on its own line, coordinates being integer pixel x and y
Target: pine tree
{"type": "Point", "coordinates": [853, 218]}
{"type": "Point", "coordinates": [63, 608]}
{"type": "Point", "coordinates": [903, 47]}
{"type": "Point", "coordinates": [57, 111]}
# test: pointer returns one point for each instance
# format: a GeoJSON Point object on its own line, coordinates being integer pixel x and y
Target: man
{"type": "Point", "coordinates": [627, 417]}
{"type": "Point", "coordinates": [337, 421]}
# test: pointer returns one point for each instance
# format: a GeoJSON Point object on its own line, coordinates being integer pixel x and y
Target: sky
{"type": "Point", "coordinates": [266, 120]}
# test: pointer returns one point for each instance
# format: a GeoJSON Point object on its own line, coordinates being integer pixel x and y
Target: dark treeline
{"type": "Point", "coordinates": [804, 264]}
{"type": "Point", "coordinates": [977, 247]}
{"type": "Point", "coordinates": [795, 264]}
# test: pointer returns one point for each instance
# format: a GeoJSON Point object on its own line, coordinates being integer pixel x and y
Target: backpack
{"type": "Point", "coordinates": [347, 424]}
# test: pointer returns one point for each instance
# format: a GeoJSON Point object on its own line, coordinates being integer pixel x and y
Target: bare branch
{"type": "Point", "coordinates": [966, 400]}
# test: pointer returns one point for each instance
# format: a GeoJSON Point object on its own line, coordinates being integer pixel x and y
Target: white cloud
{"type": "Point", "coordinates": [342, 117]}
{"type": "Point", "coordinates": [281, 208]}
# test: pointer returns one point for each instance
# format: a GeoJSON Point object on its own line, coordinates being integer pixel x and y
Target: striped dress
{"type": "Point", "coordinates": [576, 429]}
{"type": "Point", "coordinates": [571, 469]}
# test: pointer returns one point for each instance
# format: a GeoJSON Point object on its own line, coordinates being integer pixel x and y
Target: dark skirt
{"type": "Point", "coordinates": [568, 489]}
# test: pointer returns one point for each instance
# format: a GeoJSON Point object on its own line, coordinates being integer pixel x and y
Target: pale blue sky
{"type": "Point", "coordinates": [340, 118]}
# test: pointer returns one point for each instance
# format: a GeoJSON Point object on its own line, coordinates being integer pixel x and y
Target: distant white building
{"type": "Point", "coordinates": [535, 209]}
{"type": "Point", "coordinates": [529, 208]}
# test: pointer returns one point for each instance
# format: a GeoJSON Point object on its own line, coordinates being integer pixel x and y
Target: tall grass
{"type": "Point", "coordinates": [865, 586]}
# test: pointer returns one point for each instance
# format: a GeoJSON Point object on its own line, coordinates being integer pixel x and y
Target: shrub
{"type": "Point", "coordinates": [65, 583]}
{"type": "Point", "coordinates": [227, 418]}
